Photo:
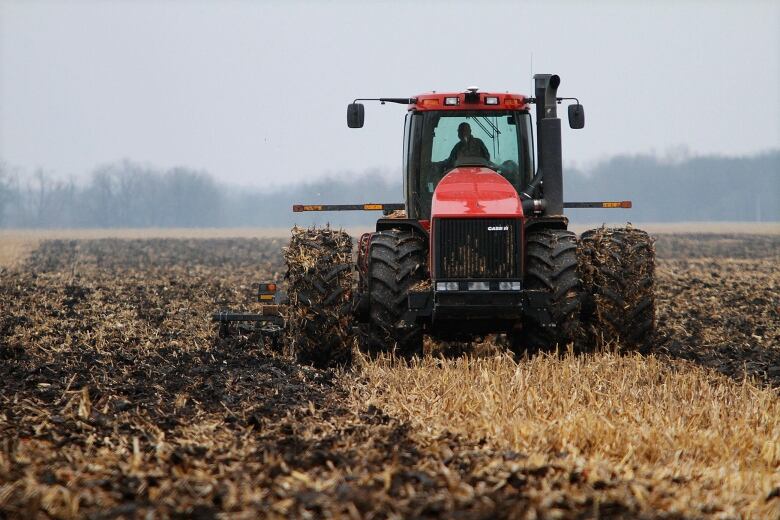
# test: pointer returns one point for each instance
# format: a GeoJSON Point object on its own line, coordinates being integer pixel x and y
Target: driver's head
{"type": "Point", "coordinates": [464, 131]}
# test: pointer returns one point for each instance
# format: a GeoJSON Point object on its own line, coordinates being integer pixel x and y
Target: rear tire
{"type": "Point", "coordinates": [397, 262]}
{"type": "Point", "coordinates": [551, 266]}
{"type": "Point", "coordinates": [319, 276]}
{"type": "Point", "coordinates": [618, 269]}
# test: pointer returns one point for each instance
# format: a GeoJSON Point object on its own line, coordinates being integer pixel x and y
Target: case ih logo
{"type": "Point", "coordinates": [498, 228]}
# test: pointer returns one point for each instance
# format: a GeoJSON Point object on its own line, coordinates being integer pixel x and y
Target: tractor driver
{"type": "Point", "coordinates": [467, 146]}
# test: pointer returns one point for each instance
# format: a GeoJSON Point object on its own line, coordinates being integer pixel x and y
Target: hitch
{"type": "Point", "coordinates": [269, 322]}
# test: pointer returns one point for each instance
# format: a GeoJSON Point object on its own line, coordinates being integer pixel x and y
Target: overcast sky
{"type": "Point", "coordinates": [256, 92]}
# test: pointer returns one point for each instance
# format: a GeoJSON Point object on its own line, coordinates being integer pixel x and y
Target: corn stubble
{"type": "Point", "coordinates": [660, 437]}
{"type": "Point", "coordinates": [120, 400]}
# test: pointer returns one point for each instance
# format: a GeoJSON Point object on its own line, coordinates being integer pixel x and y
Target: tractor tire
{"type": "Point", "coordinates": [397, 262]}
{"type": "Point", "coordinates": [319, 286]}
{"type": "Point", "coordinates": [618, 270]}
{"type": "Point", "coordinates": [551, 266]}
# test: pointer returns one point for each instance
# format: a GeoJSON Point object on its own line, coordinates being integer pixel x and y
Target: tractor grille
{"type": "Point", "coordinates": [477, 248]}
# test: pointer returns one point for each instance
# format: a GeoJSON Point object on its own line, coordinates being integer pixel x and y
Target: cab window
{"type": "Point", "coordinates": [499, 140]}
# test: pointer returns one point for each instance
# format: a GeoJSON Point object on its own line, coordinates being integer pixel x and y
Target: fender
{"type": "Point", "coordinates": [552, 222]}
{"type": "Point", "coordinates": [418, 226]}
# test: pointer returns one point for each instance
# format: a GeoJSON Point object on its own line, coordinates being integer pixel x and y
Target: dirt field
{"type": "Point", "coordinates": [16, 244]}
{"type": "Point", "coordinates": [119, 400]}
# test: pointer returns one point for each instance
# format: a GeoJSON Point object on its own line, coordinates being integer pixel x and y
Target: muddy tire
{"type": "Point", "coordinates": [319, 286]}
{"type": "Point", "coordinates": [551, 266]}
{"type": "Point", "coordinates": [618, 270]}
{"type": "Point", "coordinates": [397, 262]}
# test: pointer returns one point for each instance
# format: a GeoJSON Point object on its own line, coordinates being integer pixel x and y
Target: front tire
{"type": "Point", "coordinates": [551, 267]}
{"type": "Point", "coordinates": [397, 262]}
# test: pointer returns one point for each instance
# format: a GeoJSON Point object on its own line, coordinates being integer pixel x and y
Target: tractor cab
{"type": "Point", "coordinates": [439, 138]}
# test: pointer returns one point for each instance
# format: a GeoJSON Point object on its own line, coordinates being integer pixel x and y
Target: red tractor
{"type": "Point", "coordinates": [479, 246]}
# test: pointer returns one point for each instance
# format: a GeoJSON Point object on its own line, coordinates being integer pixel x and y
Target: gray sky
{"type": "Point", "coordinates": [256, 92]}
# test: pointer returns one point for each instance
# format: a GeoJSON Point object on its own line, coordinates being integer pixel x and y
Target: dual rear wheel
{"type": "Point", "coordinates": [601, 289]}
{"type": "Point", "coordinates": [320, 275]}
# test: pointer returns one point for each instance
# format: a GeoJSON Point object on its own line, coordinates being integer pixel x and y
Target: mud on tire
{"type": "Point", "coordinates": [319, 279]}
{"type": "Point", "coordinates": [618, 271]}
{"type": "Point", "coordinates": [551, 266]}
{"type": "Point", "coordinates": [397, 262]}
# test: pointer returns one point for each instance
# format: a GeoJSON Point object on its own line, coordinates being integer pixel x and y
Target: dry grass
{"type": "Point", "coordinates": [686, 438]}
{"type": "Point", "coordinates": [15, 248]}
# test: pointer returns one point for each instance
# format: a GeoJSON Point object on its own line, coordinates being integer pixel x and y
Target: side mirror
{"type": "Point", "coordinates": [355, 115]}
{"type": "Point", "coordinates": [576, 116]}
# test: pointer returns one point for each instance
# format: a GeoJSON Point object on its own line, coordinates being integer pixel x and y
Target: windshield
{"type": "Point", "coordinates": [500, 140]}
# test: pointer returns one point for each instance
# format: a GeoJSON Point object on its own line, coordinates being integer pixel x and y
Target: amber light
{"type": "Point", "coordinates": [429, 102]}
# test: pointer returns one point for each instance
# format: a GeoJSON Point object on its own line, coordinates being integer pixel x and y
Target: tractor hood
{"type": "Point", "coordinates": [475, 192]}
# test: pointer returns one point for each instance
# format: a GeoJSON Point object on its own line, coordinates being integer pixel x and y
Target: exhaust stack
{"type": "Point", "coordinates": [548, 130]}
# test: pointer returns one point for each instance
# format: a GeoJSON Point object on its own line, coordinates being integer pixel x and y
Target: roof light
{"type": "Point", "coordinates": [429, 102]}
{"type": "Point", "coordinates": [491, 100]}
{"type": "Point", "coordinates": [451, 101]}
{"type": "Point", "coordinates": [512, 101]}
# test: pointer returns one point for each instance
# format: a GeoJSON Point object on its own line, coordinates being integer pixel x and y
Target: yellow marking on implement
{"type": "Point", "coordinates": [266, 296]}
{"type": "Point", "coordinates": [315, 207]}
{"type": "Point", "coordinates": [611, 204]}
{"type": "Point", "coordinates": [372, 206]}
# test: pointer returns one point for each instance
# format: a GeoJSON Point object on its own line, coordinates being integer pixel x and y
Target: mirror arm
{"type": "Point", "coordinates": [531, 100]}
{"type": "Point", "coordinates": [563, 98]}
{"type": "Point", "coordinates": [402, 101]}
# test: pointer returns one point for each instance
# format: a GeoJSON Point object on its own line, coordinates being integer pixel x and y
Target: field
{"type": "Point", "coordinates": [119, 399]}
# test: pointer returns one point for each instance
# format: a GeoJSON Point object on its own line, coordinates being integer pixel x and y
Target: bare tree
{"type": "Point", "coordinates": [6, 192]}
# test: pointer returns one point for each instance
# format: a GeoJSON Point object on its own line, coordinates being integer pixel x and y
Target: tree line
{"type": "Point", "coordinates": [124, 194]}
{"type": "Point", "coordinates": [129, 194]}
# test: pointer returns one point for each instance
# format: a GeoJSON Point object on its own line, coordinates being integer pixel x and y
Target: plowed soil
{"type": "Point", "coordinates": [119, 400]}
